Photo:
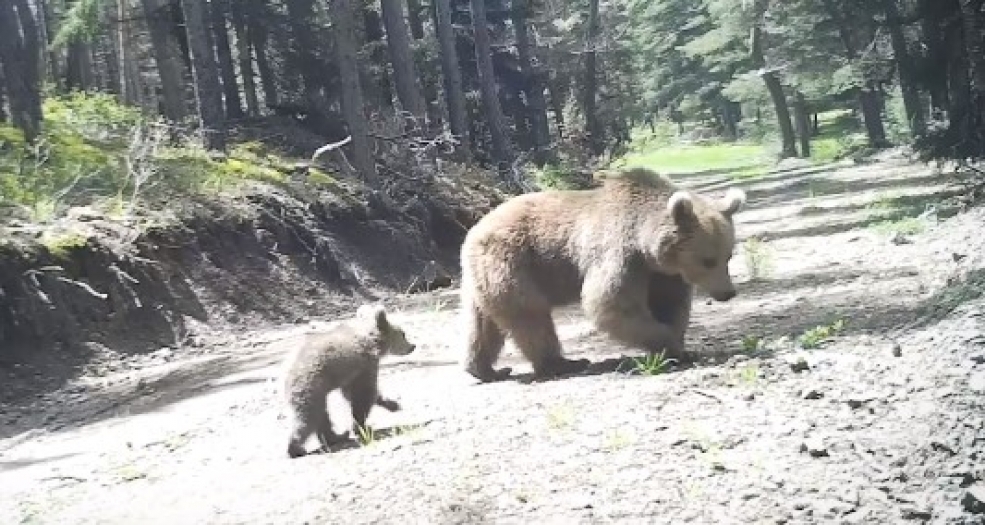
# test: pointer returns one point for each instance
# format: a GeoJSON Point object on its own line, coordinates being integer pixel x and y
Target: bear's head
{"type": "Point", "coordinates": [392, 337]}
{"type": "Point", "coordinates": [703, 240]}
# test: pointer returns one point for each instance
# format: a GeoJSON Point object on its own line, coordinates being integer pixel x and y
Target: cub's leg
{"type": "Point", "coordinates": [389, 404]}
{"type": "Point", "coordinates": [362, 394]}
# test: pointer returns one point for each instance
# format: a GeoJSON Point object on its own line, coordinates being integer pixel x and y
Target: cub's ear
{"type": "Point", "coordinates": [681, 206]}
{"type": "Point", "coordinates": [375, 313]}
{"type": "Point", "coordinates": [733, 201]}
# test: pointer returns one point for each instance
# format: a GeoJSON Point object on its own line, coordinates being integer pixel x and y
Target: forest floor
{"type": "Point", "coordinates": [845, 384]}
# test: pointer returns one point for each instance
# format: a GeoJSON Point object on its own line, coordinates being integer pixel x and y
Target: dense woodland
{"type": "Point", "coordinates": [502, 83]}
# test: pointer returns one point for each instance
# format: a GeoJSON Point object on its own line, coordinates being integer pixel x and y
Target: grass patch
{"type": "Point", "coordinates": [745, 158]}
{"type": "Point", "coordinates": [94, 151]}
{"type": "Point", "coordinates": [758, 257]}
{"type": "Point", "coordinates": [61, 246]}
{"type": "Point", "coordinates": [651, 364]}
{"type": "Point", "coordinates": [814, 337]}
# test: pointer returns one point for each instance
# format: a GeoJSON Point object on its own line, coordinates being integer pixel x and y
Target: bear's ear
{"type": "Point", "coordinates": [681, 207]}
{"type": "Point", "coordinates": [375, 313]}
{"type": "Point", "coordinates": [733, 201]}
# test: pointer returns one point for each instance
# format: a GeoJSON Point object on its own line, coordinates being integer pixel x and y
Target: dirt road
{"type": "Point", "coordinates": [882, 420]}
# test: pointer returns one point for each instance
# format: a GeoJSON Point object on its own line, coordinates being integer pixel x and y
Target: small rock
{"type": "Point", "coordinates": [898, 238]}
{"type": "Point", "coordinates": [799, 364]}
{"type": "Point", "coordinates": [974, 499]}
{"type": "Point", "coordinates": [978, 359]}
{"type": "Point", "coordinates": [957, 256]}
{"type": "Point", "coordinates": [814, 446]}
{"type": "Point", "coordinates": [858, 401]}
{"type": "Point", "coordinates": [811, 393]}
{"type": "Point", "coordinates": [910, 512]}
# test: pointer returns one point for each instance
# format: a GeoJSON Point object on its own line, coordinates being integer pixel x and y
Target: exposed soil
{"type": "Point", "coordinates": [883, 422]}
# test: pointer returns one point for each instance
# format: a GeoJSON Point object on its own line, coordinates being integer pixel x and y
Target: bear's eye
{"type": "Point", "coordinates": [708, 263]}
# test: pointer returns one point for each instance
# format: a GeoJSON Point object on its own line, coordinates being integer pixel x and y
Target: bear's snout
{"type": "Point", "coordinates": [724, 296]}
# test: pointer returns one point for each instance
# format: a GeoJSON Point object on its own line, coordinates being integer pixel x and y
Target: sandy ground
{"type": "Point", "coordinates": [883, 422]}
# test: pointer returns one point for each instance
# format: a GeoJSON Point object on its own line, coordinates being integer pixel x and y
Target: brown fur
{"type": "Point", "coordinates": [630, 250]}
{"type": "Point", "coordinates": [346, 357]}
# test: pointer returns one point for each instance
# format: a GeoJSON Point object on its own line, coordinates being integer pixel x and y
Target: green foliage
{"type": "Point", "coordinates": [814, 337]}
{"type": "Point", "coordinates": [81, 22]}
{"type": "Point", "coordinates": [94, 150]}
{"type": "Point", "coordinates": [651, 364]}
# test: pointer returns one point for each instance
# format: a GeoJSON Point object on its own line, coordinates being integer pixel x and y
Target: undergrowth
{"type": "Point", "coordinates": [95, 151]}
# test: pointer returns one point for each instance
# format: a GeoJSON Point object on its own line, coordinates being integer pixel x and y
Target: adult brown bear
{"type": "Point", "coordinates": [630, 250]}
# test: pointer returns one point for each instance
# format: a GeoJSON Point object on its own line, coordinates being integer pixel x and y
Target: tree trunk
{"type": "Point", "coordinates": [259, 38]}
{"type": "Point", "coordinates": [78, 70]}
{"type": "Point", "coordinates": [870, 103]}
{"type": "Point", "coordinates": [205, 71]}
{"type": "Point", "coordinates": [904, 67]}
{"type": "Point", "coordinates": [557, 95]}
{"type": "Point", "coordinates": [502, 150]}
{"type": "Point", "coordinates": [402, 59]}
{"type": "Point", "coordinates": [302, 15]}
{"type": "Point", "coordinates": [167, 57]}
{"type": "Point", "coordinates": [869, 97]}
{"type": "Point", "coordinates": [773, 85]}
{"type": "Point", "coordinates": [245, 57]}
{"type": "Point", "coordinates": [19, 63]}
{"type": "Point", "coordinates": [3, 95]}
{"type": "Point", "coordinates": [596, 134]}
{"type": "Point", "coordinates": [433, 106]}
{"type": "Point", "coordinates": [230, 88]}
{"type": "Point", "coordinates": [343, 18]}
{"type": "Point", "coordinates": [803, 120]}
{"type": "Point", "coordinates": [131, 91]}
{"type": "Point", "coordinates": [958, 81]}
{"type": "Point", "coordinates": [935, 74]}
{"type": "Point", "coordinates": [971, 25]}
{"type": "Point", "coordinates": [536, 103]}
{"type": "Point", "coordinates": [49, 57]}
{"type": "Point", "coordinates": [730, 125]}
{"type": "Point", "coordinates": [452, 75]}
{"type": "Point", "coordinates": [378, 90]}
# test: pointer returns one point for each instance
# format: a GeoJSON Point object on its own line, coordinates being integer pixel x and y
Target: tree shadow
{"type": "Point", "coordinates": [16, 464]}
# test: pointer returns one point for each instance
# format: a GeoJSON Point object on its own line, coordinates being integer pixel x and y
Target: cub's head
{"type": "Point", "coordinates": [392, 337]}
{"type": "Point", "coordinates": [704, 240]}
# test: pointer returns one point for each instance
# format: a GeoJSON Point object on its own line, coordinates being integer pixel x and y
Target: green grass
{"type": "Point", "coordinates": [749, 159]}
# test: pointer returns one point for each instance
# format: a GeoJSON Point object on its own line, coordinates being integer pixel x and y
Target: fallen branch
{"type": "Point", "coordinates": [85, 287]}
{"type": "Point", "coordinates": [330, 147]}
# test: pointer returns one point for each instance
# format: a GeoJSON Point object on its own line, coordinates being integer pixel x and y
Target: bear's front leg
{"type": "Point", "coordinates": [669, 300]}
{"type": "Point", "coordinates": [617, 301]}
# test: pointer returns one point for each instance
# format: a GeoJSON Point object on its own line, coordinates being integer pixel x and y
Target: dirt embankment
{"type": "Point", "coordinates": [88, 285]}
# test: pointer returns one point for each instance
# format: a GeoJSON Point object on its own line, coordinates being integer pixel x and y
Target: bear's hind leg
{"type": "Point", "coordinates": [485, 341]}
{"type": "Point", "coordinates": [534, 334]}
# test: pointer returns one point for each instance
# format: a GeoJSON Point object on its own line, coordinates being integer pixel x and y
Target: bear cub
{"type": "Point", "coordinates": [345, 357]}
